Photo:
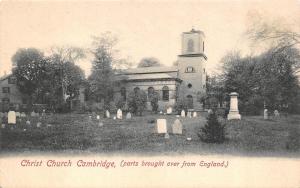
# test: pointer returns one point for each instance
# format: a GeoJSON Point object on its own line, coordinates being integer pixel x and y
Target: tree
{"type": "Point", "coordinates": [153, 98]}
{"type": "Point", "coordinates": [149, 62]}
{"type": "Point", "coordinates": [102, 76]}
{"type": "Point", "coordinates": [213, 131]}
{"type": "Point", "coordinates": [137, 100]}
{"type": "Point", "coordinates": [29, 69]}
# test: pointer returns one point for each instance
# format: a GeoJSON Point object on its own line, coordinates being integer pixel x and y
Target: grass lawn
{"type": "Point", "coordinates": [74, 133]}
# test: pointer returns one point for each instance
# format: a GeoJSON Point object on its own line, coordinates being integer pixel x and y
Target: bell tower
{"type": "Point", "coordinates": [191, 68]}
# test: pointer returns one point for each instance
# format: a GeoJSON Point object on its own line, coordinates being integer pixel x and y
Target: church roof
{"type": "Point", "coordinates": [148, 70]}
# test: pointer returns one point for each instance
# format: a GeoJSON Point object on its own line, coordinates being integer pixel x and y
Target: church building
{"type": "Point", "coordinates": [186, 81]}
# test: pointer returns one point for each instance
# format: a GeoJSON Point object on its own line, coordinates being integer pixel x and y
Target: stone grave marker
{"type": "Point", "coordinates": [115, 118]}
{"type": "Point", "coordinates": [266, 114]}
{"type": "Point", "coordinates": [276, 113]}
{"type": "Point", "coordinates": [189, 114]}
{"type": "Point", "coordinates": [23, 114]}
{"type": "Point", "coordinates": [167, 136]}
{"type": "Point", "coordinates": [100, 124]}
{"type": "Point", "coordinates": [169, 110]}
{"type": "Point", "coordinates": [234, 110]}
{"type": "Point", "coordinates": [44, 112]}
{"type": "Point", "coordinates": [128, 115]}
{"type": "Point", "coordinates": [177, 127]}
{"type": "Point", "coordinates": [38, 124]}
{"type": "Point", "coordinates": [161, 112]}
{"type": "Point", "coordinates": [27, 122]}
{"type": "Point", "coordinates": [182, 113]}
{"type": "Point", "coordinates": [32, 114]}
{"type": "Point", "coordinates": [107, 114]}
{"type": "Point", "coordinates": [195, 114]}
{"type": "Point", "coordinates": [161, 125]}
{"type": "Point", "coordinates": [119, 114]}
{"type": "Point", "coordinates": [209, 111]}
{"type": "Point", "coordinates": [98, 117]}
{"type": "Point", "coordinates": [11, 117]}
{"type": "Point", "coordinates": [18, 114]}
{"type": "Point", "coordinates": [2, 125]}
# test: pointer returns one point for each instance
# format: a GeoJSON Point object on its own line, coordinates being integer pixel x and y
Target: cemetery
{"type": "Point", "coordinates": [167, 134]}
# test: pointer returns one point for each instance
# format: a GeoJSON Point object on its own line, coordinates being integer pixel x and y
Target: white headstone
{"type": "Point", "coordinates": [23, 114]}
{"type": "Point", "coordinates": [98, 117]}
{"type": "Point", "coordinates": [27, 122]}
{"type": "Point", "coordinates": [107, 114]}
{"type": "Point", "coordinates": [188, 138]}
{"type": "Point", "coordinates": [167, 136]}
{"type": "Point", "coordinates": [266, 114]}
{"type": "Point", "coordinates": [195, 114]}
{"type": "Point", "coordinates": [276, 113]}
{"type": "Point", "coordinates": [11, 117]}
{"type": "Point", "coordinates": [177, 127]}
{"type": "Point", "coordinates": [189, 114]}
{"type": "Point", "coordinates": [234, 110]}
{"type": "Point", "coordinates": [44, 112]}
{"type": "Point", "coordinates": [18, 114]}
{"type": "Point", "coordinates": [169, 110]}
{"type": "Point", "coordinates": [178, 116]}
{"type": "Point", "coordinates": [115, 118]}
{"type": "Point", "coordinates": [210, 111]}
{"type": "Point", "coordinates": [90, 118]}
{"type": "Point", "coordinates": [128, 115]}
{"type": "Point", "coordinates": [38, 124]}
{"type": "Point", "coordinates": [119, 114]}
{"type": "Point", "coordinates": [161, 112]}
{"type": "Point", "coordinates": [32, 114]}
{"type": "Point", "coordinates": [182, 113]}
{"type": "Point", "coordinates": [161, 126]}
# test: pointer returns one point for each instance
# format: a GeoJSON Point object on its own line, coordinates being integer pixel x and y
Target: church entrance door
{"type": "Point", "coordinates": [190, 102]}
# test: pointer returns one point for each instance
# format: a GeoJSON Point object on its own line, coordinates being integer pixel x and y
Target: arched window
{"type": "Point", "coordinates": [136, 89]}
{"type": "Point", "coordinates": [165, 93]}
{"type": "Point", "coordinates": [189, 69]}
{"type": "Point", "coordinates": [123, 93]}
{"type": "Point", "coordinates": [190, 85]}
{"type": "Point", "coordinates": [190, 45]}
{"type": "Point", "coordinates": [150, 91]}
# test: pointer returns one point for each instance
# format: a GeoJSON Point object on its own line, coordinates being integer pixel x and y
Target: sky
{"type": "Point", "coordinates": [144, 28]}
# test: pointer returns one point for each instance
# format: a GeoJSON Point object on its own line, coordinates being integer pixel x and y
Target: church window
{"type": "Point", "coordinates": [123, 93]}
{"type": "Point", "coordinates": [12, 80]}
{"type": "Point", "coordinates": [136, 89]}
{"type": "Point", "coordinates": [5, 90]}
{"type": "Point", "coordinates": [189, 69]}
{"type": "Point", "coordinates": [189, 85]}
{"type": "Point", "coordinates": [190, 45]}
{"type": "Point", "coordinates": [165, 93]}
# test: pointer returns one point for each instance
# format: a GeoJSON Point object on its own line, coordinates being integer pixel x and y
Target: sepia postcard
{"type": "Point", "coordinates": [144, 93]}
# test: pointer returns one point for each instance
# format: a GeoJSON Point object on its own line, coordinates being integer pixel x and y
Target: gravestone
{"type": "Point", "coordinates": [266, 114]}
{"type": "Point", "coordinates": [2, 125]}
{"type": "Point", "coordinates": [188, 138]}
{"type": "Point", "coordinates": [182, 113]}
{"type": "Point", "coordinates": [161, 112]}
{"type": "Point", "coordinates": [177, 116]}
{"type": "Point", "coordinates": [23, 114]}
{"type": "Point", "coordinates": [177, 127]}
{"type": "Point", "coordinates": [128, 115]}
{"type": "Point", "coordinates": [38, 124]}
{"type": "Point", "coordinates": [98, 117]}
{"type": "Point", "coordinates": [161, 126]}
{"type": "Point", "coordinates": [195, 114]}
{"type": "Point", "coordinates": [169, 110]}
{"type": "Point", "coordinates": [44, 112]}
{"type": "Point", "coordinates": [189, 114]}
{"type": "Point", "coordinates": [167, 136]}
{"type": "Point", "coordinates": [11, 119]}
{"type": "Point", "coordinates": [18, 114]}
{"type": "Point", "coordinates": [27, 122]}
{"type": "Point", "coordinates": [209, 111]}
{"type": "Point", "coordinates": [100, 124]}
{"type": "Point", "coordinates": [107, 114]}
{"type": "Point", "coordinates": [233, 111]}
{"type": "Point", "coordinates": [119, 114]}
{"type": "Point", "coordinates": [276, 113]}
{"type": "Point", "coordinates": [114, 118]}
{"type": "Point", "coordinates": [32, 114]}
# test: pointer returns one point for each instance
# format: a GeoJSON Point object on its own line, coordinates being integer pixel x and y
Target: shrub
{"type": "Point", "coordinates": [213, 131]}
{"type": "Point", "coordinates": [137, 102]}
{"type": "Point", "coordinates": [180, 105]}
{"type": "Point", "coordinates": [154, 97]}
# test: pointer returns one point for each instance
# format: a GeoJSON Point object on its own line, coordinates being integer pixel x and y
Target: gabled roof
{"type": "Point", "coordinates": [148, 70]}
